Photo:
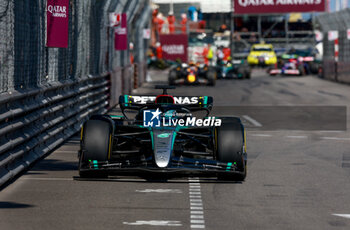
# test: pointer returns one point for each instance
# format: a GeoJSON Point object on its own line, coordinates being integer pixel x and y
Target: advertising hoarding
{"type": "Point", "coordinates": [277, 6]}
{"type": "Point", "coordinates": [57, 15]}
{"type": "Point", "coordinates": [121, 34]}
{"type": "Point", "coordinates": [174, 46]}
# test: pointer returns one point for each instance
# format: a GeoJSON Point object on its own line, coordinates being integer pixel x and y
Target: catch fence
{"type": "Point", "coordinates": [338, 22]}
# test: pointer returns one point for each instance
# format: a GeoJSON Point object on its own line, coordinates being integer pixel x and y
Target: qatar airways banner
{"type": "Point", "coordinates": [174, 46]}
{"type": "Point", "coordinates": [57, 15]}
{"type": "Point", "coordinates": [277, 6]}
{"type": "Point", "coordinates": [121, 34]}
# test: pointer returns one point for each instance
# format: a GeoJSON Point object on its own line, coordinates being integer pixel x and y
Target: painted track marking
{"type": "Point", "coordinates": [261, 135]}
{"type": "Point", "coordinates": [160, 190]}
{"type": "Point", "coordinates": [297, 137]}
{"type": "Point", "coordinates": [342, 215]}
{"type": "Point", "coordinates": [251, 120]}
{"type": "Point", "coordinates": [336, 138]}
{"type": "Point", "coordinates": [170, 223]}
{"type": "Point", "coordinates": [196, 204]}
{"type": "Point", "coordinates": [47, 179]}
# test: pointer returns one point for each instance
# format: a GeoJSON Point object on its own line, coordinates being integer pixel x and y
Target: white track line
{"type": "Point", "coordinates": [251, 120]}
{"type": "Point", "coordinates": [171, 223]}
{"type": "Point", "coordinates": [261, 135]}
{"type": "Point", "coordinates": [160, 191]}
{"type": "Point", "coordinates": [297, 137]}
{"type": "Point", "coordinates": [196, 204]}
{"type": "Point", "coordinates": [47, 179]}
{"type": "Point", "coordinates": [335, 138]}
{"type": "Point", "coordinates": [342, 215]}
{"type": "Point", "coordinates": [331, 131]}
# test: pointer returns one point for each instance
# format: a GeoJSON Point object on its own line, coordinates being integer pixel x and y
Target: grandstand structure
{"type": "Point", "coordinates": [281, 30]}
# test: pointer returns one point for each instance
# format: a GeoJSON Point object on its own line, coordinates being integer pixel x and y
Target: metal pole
{"type": "Point", "coordinates": [232, 29]}
{"type": "Point", "coordinates": [286, 29]}
{"type": "Point", "coordinates": [171, 7]}
{"type": "Point", "coordinates": [259, 28]}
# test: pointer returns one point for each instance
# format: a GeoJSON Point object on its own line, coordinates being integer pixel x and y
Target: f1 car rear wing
{"type": "Point", "coordinates": [192, 102]}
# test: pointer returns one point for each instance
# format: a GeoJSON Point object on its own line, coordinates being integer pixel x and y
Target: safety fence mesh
{"type": "Point", "coordinates": [332, 69]}
{"type": "Point", "coordinates": [26, 63]}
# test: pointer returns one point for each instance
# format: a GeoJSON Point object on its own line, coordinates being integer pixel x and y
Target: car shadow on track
{"type": "Point", "coordinates": [203, 180]}
{"type": "Point", "coordinates": [12, 205]}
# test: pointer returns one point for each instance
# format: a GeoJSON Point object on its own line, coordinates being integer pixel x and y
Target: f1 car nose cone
{"type": "Point", "coordinates": [162, 147]}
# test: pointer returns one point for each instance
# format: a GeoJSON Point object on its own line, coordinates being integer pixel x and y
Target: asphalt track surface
{"type": "Point", "coordinates": [297, 179]}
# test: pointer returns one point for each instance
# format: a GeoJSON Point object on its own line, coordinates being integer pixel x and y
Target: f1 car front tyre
{"type": "Point", "coordinates": [211, 76]}
{"type": "Point", "coordinates": [247, 72]}
{"type": "Point", "coordinates": [301, 70]}
{"type": "Point", "coordinates": [172, 77]}
{"type": "Point", "coordinates": [96, 141]}
{"type": "Point", "coordinates": [241, 72]}
{"type": "Point", "coordinates": [314, 68]}
{"type": "Point", "coordinates": [230, 145]}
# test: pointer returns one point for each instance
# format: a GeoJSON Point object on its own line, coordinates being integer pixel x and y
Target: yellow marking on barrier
{"type": "Point", "coordinates": [81, 132]}
{"type": "Point", "coordinates": [245, 140]}
{"type": "Point", "coordinates": [110, 146]}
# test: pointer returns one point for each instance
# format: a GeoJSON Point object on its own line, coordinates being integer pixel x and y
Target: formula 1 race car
{"type": "Point", "coordinates": [233, 69]}
{"type": "Point", "coordinates": [192, 74]}
{"type": "Point", "coordinates": [299, 60]}
{"type": "Point", "coordinates": [292, 67]}
{"type": "Point", "coordinates": [164, 137]}
{"type": "Point", "coordinates": [262, 55]}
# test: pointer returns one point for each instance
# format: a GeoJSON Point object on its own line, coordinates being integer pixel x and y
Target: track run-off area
{"type": "Point", "coordinates": [297, 178]}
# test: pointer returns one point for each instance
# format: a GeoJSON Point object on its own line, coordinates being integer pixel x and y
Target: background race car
{"type": "Point", "coordinates": [155, 141]}
{"type": "Point", "coordinates": [192, 74]}
{"type": "Point", "coordinates": [292, 67]}
{"type": "Point", "coordinates": [233, 69]}
{"type": "Point", "coordinates": [262, 55]}
{"type": "Point", "coordinates": [298, 60]}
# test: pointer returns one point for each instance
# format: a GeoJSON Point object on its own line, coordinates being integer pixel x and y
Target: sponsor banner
{"type": "Point", "coordinates": [177, 100]}
{"type": "Point", "coordinates": [155, 118]}
{"type": "Point", "coordinates": [174, 46]}
{"type": "Point", "coordinates": [147, 33]}
{"type": "Point", "coordinates": [333, 35]}
{"type": "Point", "coordinates": [121, 34]}
{"type": "Point", "coordinates": [277, 6]}
{"type": "Point", "coordinates": [57, 16]}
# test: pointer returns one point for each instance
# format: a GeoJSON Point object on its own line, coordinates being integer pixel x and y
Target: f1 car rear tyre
{"type": "Point", "coordinates": [96, 141]}
{"type": "Point", "coordinates": [211, 76]}
{"type": "Point", "coordinates": [230, 143]}
{"type": "Point", "coordinates": [301, 70]}
{"type": "Point", "coordinates": [314, 68]}
{"type": "Point", "coordinates": [247, 72]}
{"type": "Point", "coordinates": [172, 77]}
{"type": "Point", "coordinates": [241, 73]}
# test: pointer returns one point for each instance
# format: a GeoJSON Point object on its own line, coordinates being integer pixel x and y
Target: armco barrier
{"type": "Point", "coordinates": [34, 123]}
{"type": "Point", "coordinates": [45, 93]}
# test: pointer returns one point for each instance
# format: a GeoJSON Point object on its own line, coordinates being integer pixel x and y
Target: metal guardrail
{"type": "Point", "coordinates": [51, 95]}
{"type": "Point", "coordinates": [34, 123]}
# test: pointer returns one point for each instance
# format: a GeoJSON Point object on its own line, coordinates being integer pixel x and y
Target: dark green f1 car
{"type": "Point", "coordinates": [163, 138]}
{"type": "Point", "coordinates": [237, 69]}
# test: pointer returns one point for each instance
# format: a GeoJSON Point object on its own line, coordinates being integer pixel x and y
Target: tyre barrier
{"type": "Point", "coordinates": [34, 123]}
